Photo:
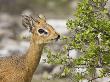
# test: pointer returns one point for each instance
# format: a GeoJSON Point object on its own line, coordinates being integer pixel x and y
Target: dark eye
{"type": "Point", "coordinates": [41, 31]}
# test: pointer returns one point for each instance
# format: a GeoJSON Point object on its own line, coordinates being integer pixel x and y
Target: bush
{"type": "Point", "coordinates": [90, 36]}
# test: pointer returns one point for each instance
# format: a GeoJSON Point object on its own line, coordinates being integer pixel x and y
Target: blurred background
{"type": "Point", "coordinates": [56, 11]}
{"type": "Point", "coordinates": [50, 8]}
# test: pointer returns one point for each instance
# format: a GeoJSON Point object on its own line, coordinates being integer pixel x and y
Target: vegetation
{"type": "Point", "coordinates": [90, 36]}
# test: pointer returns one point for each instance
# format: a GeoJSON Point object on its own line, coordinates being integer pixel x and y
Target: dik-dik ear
{"type": "Point", "coordinates": [28, 22]}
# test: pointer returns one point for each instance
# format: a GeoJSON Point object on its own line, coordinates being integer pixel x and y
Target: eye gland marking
{"type": "Point", "coordinates": [45, 32]}
{"type": "Point", "coordinates": [42, 31]}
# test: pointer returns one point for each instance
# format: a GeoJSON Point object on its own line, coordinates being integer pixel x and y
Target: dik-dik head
{"type": "Point", "coordinates": [41, 31]}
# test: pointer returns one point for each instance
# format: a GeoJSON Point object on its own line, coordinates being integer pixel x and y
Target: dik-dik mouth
{"type": "Point", "coordinates": [56, 39]}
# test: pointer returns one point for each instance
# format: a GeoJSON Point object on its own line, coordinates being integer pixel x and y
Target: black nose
{"type": "Point", "coordinates": [58, 37]}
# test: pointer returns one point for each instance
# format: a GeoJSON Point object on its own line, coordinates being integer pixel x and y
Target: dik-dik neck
{"type": "Point", "coordinates": [33, 55]}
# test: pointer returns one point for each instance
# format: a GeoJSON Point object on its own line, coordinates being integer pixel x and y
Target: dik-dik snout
{"type": "Point", "coordinates": [41, 31]}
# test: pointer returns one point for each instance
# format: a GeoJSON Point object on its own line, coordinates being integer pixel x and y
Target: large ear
{"type": "Point", "coordinates": [28, 22]}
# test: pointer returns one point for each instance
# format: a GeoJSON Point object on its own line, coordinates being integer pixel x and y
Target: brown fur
{"type": "Point", "coordinates": [18, 68]}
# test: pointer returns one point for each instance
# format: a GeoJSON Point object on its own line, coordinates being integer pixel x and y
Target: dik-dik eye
{"type": "Point", "coordinates": [42, 31]}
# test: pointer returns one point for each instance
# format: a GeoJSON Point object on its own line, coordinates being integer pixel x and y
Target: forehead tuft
{"type": "Point", "coordinates": [41, 21]}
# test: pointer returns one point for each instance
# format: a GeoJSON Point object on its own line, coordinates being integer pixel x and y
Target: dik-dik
{"type": "Point", "coordinates": [20, 68]}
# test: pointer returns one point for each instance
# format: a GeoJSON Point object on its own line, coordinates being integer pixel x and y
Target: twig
{"type": "Point", "coordinates": [93, 79]}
